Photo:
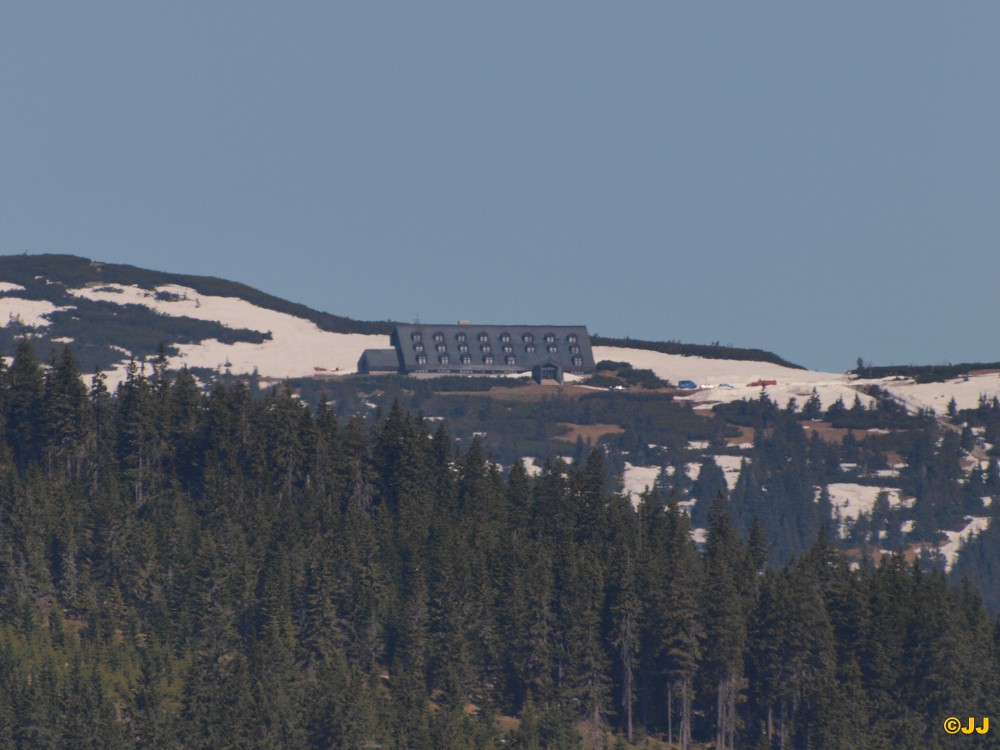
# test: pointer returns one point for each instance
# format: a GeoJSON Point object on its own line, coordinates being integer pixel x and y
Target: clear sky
{"type": "Point", "coordinates": [817, 179]}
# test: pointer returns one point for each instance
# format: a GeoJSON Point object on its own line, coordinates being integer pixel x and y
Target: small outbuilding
{"type": "Point", "coordinates": [378, 360]}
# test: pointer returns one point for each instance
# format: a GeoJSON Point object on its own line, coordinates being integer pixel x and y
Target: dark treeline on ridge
{"type": "Point", "coordinates": [709, 351]}
{"type": "Point", "coordinates": [190, 570]}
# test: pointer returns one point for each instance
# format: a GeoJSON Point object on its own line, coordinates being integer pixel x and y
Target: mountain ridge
{"type": "Point", "coordinates": [38, 273]}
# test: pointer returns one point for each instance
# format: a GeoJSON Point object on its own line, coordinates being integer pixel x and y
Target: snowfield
{"type": "Point", "coordinates": [297, 347]}
{"type": "Point", "coordinates": [965, 391]}
{"type": "Point", "coordinates": [26, 312]}
{"type": "Point", "coordinates": [711, 373]}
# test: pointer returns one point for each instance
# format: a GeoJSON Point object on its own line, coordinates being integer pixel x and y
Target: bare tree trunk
{"type": "Point", "coordinates": [731, 712]}
{"type": "Point", "coordinates": [670, 713]}
{"type": "Point", "coordinates": [720, 720]}
{"type": "Point", "coordinates": [686, 714]}
{"type": "Point", "coordinates": [725, 730]}
{"type": "Point", "coordinates": [627, 663]}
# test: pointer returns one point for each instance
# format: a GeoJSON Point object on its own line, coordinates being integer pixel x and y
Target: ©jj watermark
{"type": "Point", "coordinates": [954, 726]}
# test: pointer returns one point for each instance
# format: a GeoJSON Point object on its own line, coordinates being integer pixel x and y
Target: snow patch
{"type": "Point", "coordinates": [8, 286]}
{"type": "Point", "coordinates": [637, 479]}
{"type": "Point", "coordinates": [731, 467]}
{"type": "Point", "coordinates": [529, 466]}
{"type": "Point", "coordinates": [852, 500]}
{"type": "Point", "coordinates": [17, 311]}
{"type": "Point", "coordinates": [956, 539]}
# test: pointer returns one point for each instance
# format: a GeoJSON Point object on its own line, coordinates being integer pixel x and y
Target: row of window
{"type": "Point", "coordinates": [487, 349]}
{"type": "Point", "coordinates": [465, 359]}
{"type": "Point", "coordinates": [527, 338]}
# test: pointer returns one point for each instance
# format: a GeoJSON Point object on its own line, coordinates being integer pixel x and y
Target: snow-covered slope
{"type": "Point", "coordinates": [965, 390]}
{"type": "Point", "coordinates": [296, 347]}
{"type": "Point", "coordinates": [710, 374]}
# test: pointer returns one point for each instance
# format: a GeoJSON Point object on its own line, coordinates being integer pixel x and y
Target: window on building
{"type": "Point", "coordinates": [550, 338]}
{"type": "Point", "coordinates": [574, 350]}
{"type": "Point", "coordinates": [488, 359]}
{"type": "Point", "coordinates": [485, 349]}
{"type": "Point", "coordinates": [417, 336]}
{"type": "Point", "coordinates": [483, 337]}
{"type": "Point", "coordinates": [441, 348]}
{"type": "Point", "coordinates": [466, 359]}
{"type": "Point", "coordinates": [421, 359]}
{"type": "Point", "coordinates": [529, 349]}
{"type": "Point", "coordinates": [460, 337]}
{"type": "Point", "coordinates": [463, 348]}
{"type": "Point", "coordinates": [508, 349]}
{"type": "Point", "coordinates": [444, 359]}
{"type": "Point", "coordinates": [528, 338]}
{"type": "Point", "coordinates": [504, 338]}
{"type": "Point", "coordinates": [510, 359]}
{"type": "Point", "coordinates": [552, 348]}
{"type": "Point", "coordinates": [571, 339]}
{"type": "Point", "coordinates": [577, 361]}
{"type": "Point", "coordinates": [438, 337]}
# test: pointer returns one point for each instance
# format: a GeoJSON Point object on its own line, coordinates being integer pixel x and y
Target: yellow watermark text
{"type": "Point", "coordinates": [953, 725]}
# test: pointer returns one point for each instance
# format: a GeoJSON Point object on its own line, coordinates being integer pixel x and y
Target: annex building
{"type": "Point", "coordinates": [465, 349]}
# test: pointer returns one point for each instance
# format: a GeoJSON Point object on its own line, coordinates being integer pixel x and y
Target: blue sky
{"type": "Point", "coordinates": [820, 180]}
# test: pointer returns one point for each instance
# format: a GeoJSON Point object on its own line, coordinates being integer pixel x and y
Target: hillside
{"type": "Point", "coordinates": [303, 556]}
{"type": "Point", "coordinates": [107, 312]}
{"type": "Point", "coordinates": [191, 569]}
{"type": "Point", "coordinates": [656, 435]}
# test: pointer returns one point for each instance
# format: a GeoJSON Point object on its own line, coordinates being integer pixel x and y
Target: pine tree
{"type": "Point", "coordinates": [724, 604]}
{"type": "Point", "coordinates": [24, 406]}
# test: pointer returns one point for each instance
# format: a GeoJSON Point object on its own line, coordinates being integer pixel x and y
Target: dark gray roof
{"type": "Point", "coordinates": [513, 348]}
{"type": "Point", "coordinates": [379, 360]}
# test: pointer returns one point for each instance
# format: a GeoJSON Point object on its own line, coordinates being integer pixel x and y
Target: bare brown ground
{"type": "Point", "coordinates": [747, 435]}
{"type": "Point", "coordinates": [508, 723]}
{"type": "Point", "coordinates": [532, 392]}
{"type": "Point", "coordinates": [894, 459]}
{"type": "Point", "coordinates": [589, 432]}
{"type": "Point", "coordinates": [910, 553]}
{"type": "Point", "coordinates": [830, 434]}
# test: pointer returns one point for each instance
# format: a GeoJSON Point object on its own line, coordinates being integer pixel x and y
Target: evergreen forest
{"type": "Point", "coordinates": [191, 569]}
